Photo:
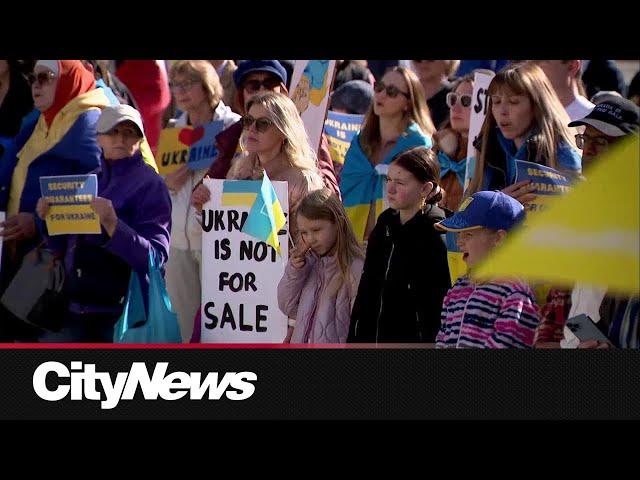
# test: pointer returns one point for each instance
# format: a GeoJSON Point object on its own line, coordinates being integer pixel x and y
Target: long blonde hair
{"type": "Point", "coordinates": [283, 113]}
{"type": "Point", "coordinates": [323, 204]}
{"type": "Point", "coordinates": [550, 119]}
{"type": "Point", "coordinates": [418, 112]}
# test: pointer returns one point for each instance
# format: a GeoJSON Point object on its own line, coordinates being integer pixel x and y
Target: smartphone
{"type": "Point", "coordinates": [585, 329]}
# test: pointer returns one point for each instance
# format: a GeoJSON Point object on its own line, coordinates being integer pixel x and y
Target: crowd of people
{"type": "Point", "coordinates": [368, 261]}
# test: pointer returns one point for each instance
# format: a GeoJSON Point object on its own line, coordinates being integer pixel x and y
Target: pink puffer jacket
{"type": "Point", "coordinates": [317, 298]}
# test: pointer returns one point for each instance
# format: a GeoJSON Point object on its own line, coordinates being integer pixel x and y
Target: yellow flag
{"type": "Point", "coordinates": [591, 234]}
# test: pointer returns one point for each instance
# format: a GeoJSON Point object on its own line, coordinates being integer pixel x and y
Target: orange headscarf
{"type": "Point", "coordinates": [74, 80]}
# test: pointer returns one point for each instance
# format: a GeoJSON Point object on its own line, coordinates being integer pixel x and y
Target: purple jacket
{"type": "Point", "coordinates": [99, 267]}
{"type": "Point", "coordinates": [315, 296]}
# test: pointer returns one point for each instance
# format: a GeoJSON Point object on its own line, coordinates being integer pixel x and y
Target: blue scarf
{"type": "Point", "coordinates": [448, 165]}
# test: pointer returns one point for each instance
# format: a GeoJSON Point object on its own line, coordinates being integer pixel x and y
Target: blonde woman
{"type": "Point", "coordinates": [397, 121]}
{"type": "Point", "coordinates": [276, 142]}
{"type": "Point", "coordinates": [525, 121]}
{"type": "Point", "coordinates": [198, 93]}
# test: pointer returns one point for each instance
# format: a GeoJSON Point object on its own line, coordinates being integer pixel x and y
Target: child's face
{"type": "Point", "coordinates": [476, 244]}
{"type": "Point", "coordinates": [404, 191]}
{"type": "Point", "coordinates": [319, 235]}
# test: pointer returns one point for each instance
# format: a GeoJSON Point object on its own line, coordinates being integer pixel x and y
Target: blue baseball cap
{"type": "Point", "coordinates": [494, 210]}
{"type": "Point", "coordinates": [250, 66]}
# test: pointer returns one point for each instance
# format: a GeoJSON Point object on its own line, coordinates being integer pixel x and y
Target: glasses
{"type": "Point", "coordinates": [391, 90]}
{"type": "Point", "coordinates": [43, 78]}
{"type": "Point", "coordinates": [262, 124]}
{"type": "Point", "coordinates": [182, 86]}
{"type": "Point", "coordinates": [452, 99]}
{"type": "Point", "coordinates": [582, 140]}
{"type": "Point", "coordinates": [253, 86]}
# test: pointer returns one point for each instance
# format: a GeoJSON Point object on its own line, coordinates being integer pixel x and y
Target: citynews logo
{"type": "Point", "coordinates": [83, 380]}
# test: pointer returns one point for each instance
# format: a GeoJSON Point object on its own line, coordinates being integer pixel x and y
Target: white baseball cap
{"type": "Point", "coordinates": [112, 116]}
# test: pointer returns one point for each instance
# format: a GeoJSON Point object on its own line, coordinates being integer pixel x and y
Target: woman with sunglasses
{"type": "Point", "coordinates": [62, 141]}
{"type": "Point", "coordinates": [525, 121]}
{"type": "Point", "coordinates": [451, 142]}
{"type": "Point", "coordinates": [198, 94]}
{"type": "Point", "coordinates": [397, 120]}
{"type": "Point", "coordinates": [253, 77]}
{"type": "Point", "coordinates": [434, 77]}
{"type": "Point", "coordinates": [274, 141]}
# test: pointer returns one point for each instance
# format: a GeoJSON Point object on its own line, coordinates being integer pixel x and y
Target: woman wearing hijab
{"type": "Point", "coordinates": [62, 141]}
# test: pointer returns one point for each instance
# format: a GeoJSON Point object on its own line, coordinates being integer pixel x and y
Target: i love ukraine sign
{"type": "Point", "coordinates": [194, 147]}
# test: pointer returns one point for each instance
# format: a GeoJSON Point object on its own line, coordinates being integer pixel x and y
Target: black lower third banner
{"type": "Point", "coordinates": [317, 384]}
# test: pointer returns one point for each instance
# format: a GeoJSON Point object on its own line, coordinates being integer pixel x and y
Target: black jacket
{"type": "Point", "coordinates": [404, 281]}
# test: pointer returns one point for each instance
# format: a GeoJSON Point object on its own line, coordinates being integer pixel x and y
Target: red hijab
{"type": "Point", "coordinates": [74, 80]}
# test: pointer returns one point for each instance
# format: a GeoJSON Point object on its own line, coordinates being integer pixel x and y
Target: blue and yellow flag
{"type": "Point", "coordinates": [590, 235]}
{"type": "Point", "coordinates": [240, 193]}
{"type": "Point", "coordinates": [266, 217]}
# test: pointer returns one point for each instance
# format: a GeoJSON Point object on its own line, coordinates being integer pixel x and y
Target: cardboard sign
{"type": "Point", "coordinates": [548, 182]}
{"type": "Point", "coordinates": [340, 128]}
{"type": "Point", "coordinates": [310, 88]}
{"type": "Point", "coordinates": [194, 147]}
{"type": "Point", "coordinates": [240, 274]}
{"type": "Point", "coordinates": [479, 108]}
{"type": "Point", "coordinates": [70, 199]}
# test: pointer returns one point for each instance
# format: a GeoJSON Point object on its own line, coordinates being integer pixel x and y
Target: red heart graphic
{"type": "Point", "coordinates": [189, 136]}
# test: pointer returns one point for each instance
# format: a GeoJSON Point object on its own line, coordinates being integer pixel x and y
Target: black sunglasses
{"type": "Point", "coordinates": [391, 90]}
{"type": "Point", "coordinates": [262, 124]}
{"type": "Point", "coordinates": [253, 86]}
{"type": "Point", "coordinates": [42, 78]}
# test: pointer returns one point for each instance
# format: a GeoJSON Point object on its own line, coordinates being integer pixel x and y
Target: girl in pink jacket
{"type": "Point", "coordinates": [321, 280]}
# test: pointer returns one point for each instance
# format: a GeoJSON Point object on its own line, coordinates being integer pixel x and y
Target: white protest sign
{"type": "Point", "coordinates": [240, 273]}
{"type": "Point", "coordinates": [478, 113]}
{"type": "Point", "coordinates": [310, 88]}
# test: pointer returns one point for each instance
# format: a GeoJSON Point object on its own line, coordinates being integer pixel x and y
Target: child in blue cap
{"type": "Point", "coordinates": [497, 314]}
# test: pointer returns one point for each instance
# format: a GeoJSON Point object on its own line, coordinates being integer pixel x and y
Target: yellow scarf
{"type": "Point", "coordinates": [44, 139]}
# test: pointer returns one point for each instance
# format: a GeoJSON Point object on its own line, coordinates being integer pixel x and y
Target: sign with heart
{"type": "Point", "coordinates": [194, 147]}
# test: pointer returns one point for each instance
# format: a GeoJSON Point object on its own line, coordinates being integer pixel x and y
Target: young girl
{"type": "Point", "coordinates": [397, 121]}
{"type": "Point", "coordinates": [405, 275]}
{"type": "Point", "coordinates": [496, 314]}
{"type": "Point", "coordinates": [321, 280]}
{"type": "Point", "coordinates": [525, 121]}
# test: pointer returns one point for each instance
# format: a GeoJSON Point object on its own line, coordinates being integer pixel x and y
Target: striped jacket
{"type": "Point", "coordinates": [490, 315]}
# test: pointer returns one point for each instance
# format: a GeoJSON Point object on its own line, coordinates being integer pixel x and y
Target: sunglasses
{"type": "Point", "coordinates": [42, 78]}
{"type": "Point", "coordinates": [252, 86]}
{"type": "Point", "coordinates": [452, 99]}
{"type": "Point", "coordinates": [262, 124]}
{"type": "Point", "coordinates": [391, 90]}
{"type": "Point", "coordinates": [182, 86]}
{"type": "Point", "coordinates": [582, 140]}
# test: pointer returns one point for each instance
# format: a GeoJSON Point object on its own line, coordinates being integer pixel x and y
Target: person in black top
{"type": "Point", "coordinates": [15, 98]}
{"type": "Point", "coordinates": [406, 274]}
{"type": "Point", "coordinates": [434, 76]}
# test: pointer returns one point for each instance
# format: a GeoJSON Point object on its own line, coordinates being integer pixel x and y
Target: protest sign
{"type": "Point", "coordinates": [310, 87]}
{"type": "Point", "coordinates": [240, 274]}
{"type": "Point", "coordinates": [194, 147]}
{"type": "Point", "coordinates": [547, 182]}
{"type": "Point", "coordinates": [480, 104]}
{"type": "Point", "coordinates": [69, 198]}
{"type": "Point", "coordinates": [340, 128]}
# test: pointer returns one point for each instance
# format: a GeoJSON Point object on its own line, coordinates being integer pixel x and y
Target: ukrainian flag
{"type": "Point", "coordinates": [266, 217]}
{"type": "Point", "coordinates": [590, 235]}
{"type": "Point", "coordinates": [239, 193]}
